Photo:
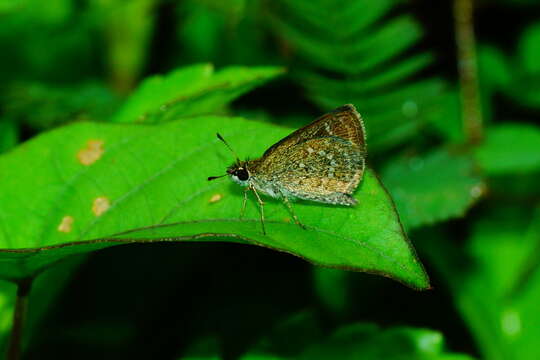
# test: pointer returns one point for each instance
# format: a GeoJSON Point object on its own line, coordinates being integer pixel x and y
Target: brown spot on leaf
{"type": "Point", "coordinates": [66, 224]}
{"type": "Point", "coordinates": [100, 205]}
{"type": "Point", "coordinates": [215, 198]}
{"type": "Point", "coordinates": [91, 153]}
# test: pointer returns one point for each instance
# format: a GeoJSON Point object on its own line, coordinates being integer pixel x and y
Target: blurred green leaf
{"type": "Point", "coordinates": [495, 72]}
{"type": "Point", "coordinates": [88, 184]}
{"type": "Point", "coordinates": [47, 41]}
{"type": "Point", "coordinates": [291, 335]}
{"type": "Point", "coordinates": [9, 134]}
{"type": "Point", "coordinates": [448, 123]}
{"type": "Point", "coordinates": [517, 77]}
{"type": "Point", "coordinates": [192, 90]}
{"type": "Point", "coordinates": [224, 33]}
{"type": "Point", "coordinates": [510, 148]}
{"type": "Point", "coordinates": [42, 106]}
{"type": "Point", "coordinates": [529, 50]}
{"type": "Point", "coordinates": [330, 286]}
{"type": "Point", "coordinates": [127, 28]}
{"type": "Point", "coordinates": [8, 292]}
{"type": "Point", "coordinates": [495, 282]}
{"type": "Point", "coordinates": [361, 341]}
{"type": "Point", "coordinates": [367, 341]}
{"type": "Point", "coordinates": [52, 12]}
{"type": "Point", "coordinates": [353, 57]}
{"type": "Point", "coordinates": [45, 290]}
{"type": "Point", "coordinates": [432, 188]}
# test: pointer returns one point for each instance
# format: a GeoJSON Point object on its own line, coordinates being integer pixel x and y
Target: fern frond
{"type": "Point", "coordinates": [355, 51]}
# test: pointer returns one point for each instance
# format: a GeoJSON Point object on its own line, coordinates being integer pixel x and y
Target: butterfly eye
{"type": "Point", "coordinates": [241, 174]}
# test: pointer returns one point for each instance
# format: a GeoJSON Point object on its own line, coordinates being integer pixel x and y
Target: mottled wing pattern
{"type": "Point", "coordinates": [328, 170]}
{"type": "Point", "coordinates": [344, 122]}
{"type": "Point", "coordinates": [323, 161]}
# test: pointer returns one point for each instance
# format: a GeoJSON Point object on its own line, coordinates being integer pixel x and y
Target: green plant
{"type": "Point", "coordinates": [97, 151]}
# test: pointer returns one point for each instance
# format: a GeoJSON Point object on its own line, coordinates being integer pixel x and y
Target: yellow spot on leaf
{"type": "Point", "coordinates": [215, 198]}
{"type": "Point", "coordinates": [100, 205]}
{"type": "Point", "coordinates": [66, 224]}
{"type": "Point", "coordinates": [287, 220]}
{"type": "Point", "coordinates": [91, 153]}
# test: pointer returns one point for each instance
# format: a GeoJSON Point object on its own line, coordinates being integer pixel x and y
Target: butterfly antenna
{"type": "Point", "coordinates": [216, 177]}
{"type": "Point", "coordinates": [228, 146]}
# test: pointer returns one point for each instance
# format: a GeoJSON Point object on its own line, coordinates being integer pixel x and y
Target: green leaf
{"type": "Point", "coordinates": [524, 87]}
{"type": "Point", "coordinates": [448, 122]}
{"type": "Point", "coordinates": [529, 49]}
{"type": "Point", "coordinates": [361, 341]}
{"type": "Point", "coordinates": [42, 106]}
{"type": "Point", "coordinates": [128, 27]}
{"type": "Point", "coordinates": [45, 290]}
{"type": "Point", "coordinates": [9, 134]}
{"type": "Point", "coordinates": [88, 186]}
{"type": "Point", "coordinates": [330, 285]}
{"type": "Point", "coordinates": [432, 188]}
{"type": "Point", "coordinates": [367, 341]}
{"type": "Point", "coordinates": [354, 341]}
{"type": "Point", "coordinates": [495, 72]}
{"type": "Point", "coordinates": [191, 90]}
{"type": "Point", "coordinates": [509, 149]}
{"type": "Point", "coordinates": [8, 292]}
{"type": "Point", "coordinates": [495, 281]}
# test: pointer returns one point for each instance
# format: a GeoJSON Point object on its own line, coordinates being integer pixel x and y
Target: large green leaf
{"type": "Point", "coordinates": [510, 148]}
{"type": "Point", "coordinates": [88, 186]}
{"type": "Point", "coordinates": [191, 90]}
{"type": "Point", "coordinates": [432, 188]}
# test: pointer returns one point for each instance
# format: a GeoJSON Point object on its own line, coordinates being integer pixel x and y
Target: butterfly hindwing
{"type": "Point", "coordinates": [326, 170]}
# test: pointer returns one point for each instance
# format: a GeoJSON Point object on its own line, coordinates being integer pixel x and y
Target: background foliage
{"type": "Point", "coordinates": [153, 80]}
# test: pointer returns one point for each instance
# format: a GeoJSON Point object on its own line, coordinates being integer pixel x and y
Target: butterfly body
{"type": "Point", "coordinates": [322, 162]}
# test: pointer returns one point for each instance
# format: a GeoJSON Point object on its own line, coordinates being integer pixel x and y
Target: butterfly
{"type": "Point", "coordinates": [322, 162]}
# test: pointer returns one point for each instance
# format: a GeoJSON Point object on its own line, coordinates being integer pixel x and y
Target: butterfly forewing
{"type": "Point", "coordinates": [344, 122]}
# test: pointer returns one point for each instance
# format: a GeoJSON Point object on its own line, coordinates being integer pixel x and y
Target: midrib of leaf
{"type": "Point", "coordinates": [189, 157]}
{"type": "Point", "coordinates": [280, 245]}
{"type": "Point", "coordinates": [383, 250]}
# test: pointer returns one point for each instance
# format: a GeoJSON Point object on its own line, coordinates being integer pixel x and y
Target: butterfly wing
{"type": "Point", "coordinates": [344, 122]}
{"type": "Point", "coordinates": [326, 170]}
{"type": "Point", "coordinates": [323, 161]}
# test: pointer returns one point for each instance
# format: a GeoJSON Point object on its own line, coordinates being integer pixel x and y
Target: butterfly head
{"type": "Point", "coordinates": [239, 173]}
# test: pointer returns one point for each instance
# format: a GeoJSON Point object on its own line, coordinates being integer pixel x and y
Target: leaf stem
{"type": "Point", "coordinates": [468, 72]}
{"type": "Point", "coordinates": [19, 316]}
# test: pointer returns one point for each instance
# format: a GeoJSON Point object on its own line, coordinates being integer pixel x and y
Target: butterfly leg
{"type": "Point", "coordinates": [261, 206]}
{"type": "Point", "coordinates": [243, 210]}
{"type": "Point", "coordinates": [291, 210]}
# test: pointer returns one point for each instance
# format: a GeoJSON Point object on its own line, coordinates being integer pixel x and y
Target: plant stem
{"type": "Point", "coordinates": [471, 112]}
{"type": "Point", "coordinates": [19, 316]}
